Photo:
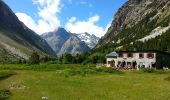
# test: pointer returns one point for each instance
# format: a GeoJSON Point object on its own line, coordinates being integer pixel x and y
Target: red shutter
{"type": "Point", "coordinates": [150, 55]}
{"type": "Point", "coordinates": [121, 55]}
{"type": "Point", "coordinates": [141, 55]}
{"type": "Point", "coordinates": [130, 55]}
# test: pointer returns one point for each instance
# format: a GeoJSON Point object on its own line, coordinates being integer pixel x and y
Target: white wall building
{"type": "Point", "coordinates": [138, 59]}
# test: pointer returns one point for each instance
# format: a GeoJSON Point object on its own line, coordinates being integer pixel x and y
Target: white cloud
{"type": "Point", "coordinates": [48, 11]}
{"type": "Point", "coordinates": [27, 20]}
{"type": "Point", "coordinates": [94, 19]}
{"type": "Point", "coordinates": [72, 19]}
{"type": "Point", "coordinates": [48, 19]}
{"type": "Point", "coordinates": [75, 26]}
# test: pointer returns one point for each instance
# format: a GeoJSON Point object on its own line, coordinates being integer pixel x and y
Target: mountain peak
{"type": "Point", "coordinates": [60, 29]}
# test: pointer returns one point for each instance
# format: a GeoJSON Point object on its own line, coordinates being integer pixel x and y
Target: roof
{"type": "Point", "coordinates": [115, 53]}
{"type": "Point", "coordinates": [143, 51]}
{"type": "Point", "coordinates": [112, 54]}
{"type": "Point", "coordinates": [138, 51]}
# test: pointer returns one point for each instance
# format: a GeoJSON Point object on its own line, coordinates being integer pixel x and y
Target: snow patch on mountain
{"type": "Point", "coordinates": [90, 40]}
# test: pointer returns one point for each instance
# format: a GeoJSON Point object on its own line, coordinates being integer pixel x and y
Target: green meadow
{"type": "Point", "coordinates": [81, 82]}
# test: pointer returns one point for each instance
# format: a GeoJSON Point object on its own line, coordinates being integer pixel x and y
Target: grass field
{"type": "Point", "coordinates": [70, 82]}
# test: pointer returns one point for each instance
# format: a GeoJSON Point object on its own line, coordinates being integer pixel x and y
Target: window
{"type": "Point", "coordinates": [130, 55]}
{"type": "Point", "coordinates": [141, 55]}
{"type": "Point", "coordinates": [120, 55]}
{"type": "Point", "coordinates": [150, 55]}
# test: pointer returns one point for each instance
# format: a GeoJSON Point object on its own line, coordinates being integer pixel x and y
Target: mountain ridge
{"type": "Point", "coordinates": [58, 40]}
{"type": "Point", "coordinates": [138, 19]}
{"type": "Point", "coordinates": [18, 39]}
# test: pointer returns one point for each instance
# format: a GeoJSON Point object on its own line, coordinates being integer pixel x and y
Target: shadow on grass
{"type": "Point", "coordinates": [6, 74]}
{"type": "Point", "coordinates": [4, 93]}
{"type": "Point", "coordinates": [167, 78]}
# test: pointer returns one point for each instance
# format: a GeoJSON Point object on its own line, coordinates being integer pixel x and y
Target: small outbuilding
{"type": "Point", "coordinates": [138, 59]}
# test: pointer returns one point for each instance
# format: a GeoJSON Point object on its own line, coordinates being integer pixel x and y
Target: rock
{"type": "Point", "coordinates": [44, 98]}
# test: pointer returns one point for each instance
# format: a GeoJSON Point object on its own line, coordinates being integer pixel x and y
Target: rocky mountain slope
{"type": "Point", "coordinates": [140, 25]}
{"type": "Point", "coordinates": [65, 42]}
{"type": "Point", "coordinates": [56, 39]}
{"type": "Point", "coordinates": [74, 46]}
{"type": "Point", "coordinates": [16, 39]}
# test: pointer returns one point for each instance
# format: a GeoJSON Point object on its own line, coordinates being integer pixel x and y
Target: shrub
{"type": "Point", "coordinates": [148, 70]}
{"type": "Point", "coordinates": [35, 58]}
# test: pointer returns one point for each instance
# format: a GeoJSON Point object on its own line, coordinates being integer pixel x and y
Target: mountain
{"type": "Point", "coordinates": [90, 40]}
{"type": "Point", "coordinates": [74, 46]}
{"type": "Point", "coordinates": [17, 41]}
{"type": "Point", "coordinates": [65, 42]}
{"type": "Point", "coordinates": [139, 25]}
{"type": "Point", "coordinates": [57, 38]}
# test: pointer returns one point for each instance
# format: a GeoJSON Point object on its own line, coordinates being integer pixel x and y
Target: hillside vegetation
{"type": "Point", "coordinates": [139, 25]}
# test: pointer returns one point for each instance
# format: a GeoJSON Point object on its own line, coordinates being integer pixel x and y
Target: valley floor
{"type": "Point", "coordinates": [131, 85]}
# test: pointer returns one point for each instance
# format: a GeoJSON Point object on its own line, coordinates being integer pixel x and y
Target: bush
{"type": "Point", "coordinates": [148, 70]}
{"type": "Point", "coordinates": [34, 59]}
{"type": "Point", "coordinates": [5, 94]}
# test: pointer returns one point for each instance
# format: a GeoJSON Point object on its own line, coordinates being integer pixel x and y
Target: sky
{"type": "Point", "coordinates": [76, 16]}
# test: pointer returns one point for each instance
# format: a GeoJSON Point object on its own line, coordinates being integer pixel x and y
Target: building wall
{"type": "Point", "coordinates": [110, 59]}
{"type": "Point", "coordinates": [144, 61]}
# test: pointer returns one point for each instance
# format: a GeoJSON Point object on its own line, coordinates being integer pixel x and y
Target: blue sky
{"type": "Point", "coordinates": [77, 16]}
